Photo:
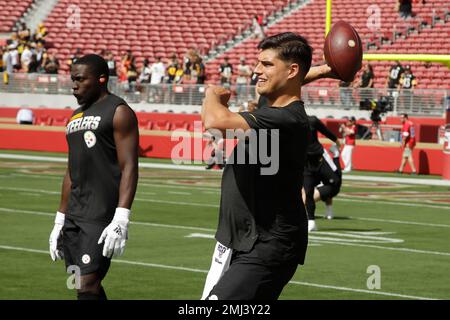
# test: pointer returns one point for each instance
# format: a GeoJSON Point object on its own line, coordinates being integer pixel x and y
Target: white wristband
{"type": "Point", "coordinates": [122, 214]}
{"type": "Point", "coordinates": [59, 219]}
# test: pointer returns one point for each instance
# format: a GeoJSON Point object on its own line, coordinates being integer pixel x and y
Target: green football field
{"type": "Point", "coordinates": [388, 240]}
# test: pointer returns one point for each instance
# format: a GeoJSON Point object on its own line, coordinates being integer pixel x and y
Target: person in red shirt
{"type": "Point", "coordinates": [349, 132]}
{"type": "Point", "coordinates": [408, 143]}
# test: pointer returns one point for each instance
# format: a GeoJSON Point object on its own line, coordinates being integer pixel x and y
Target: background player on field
{"type": "Point", "coordinates": [408, 143]}
{"type": "Point", "coordinates": [348, 130]}
{"type": "Point", "coordinates": [100, 183]}
{"type": "Point", "coordinates": [319, 169]}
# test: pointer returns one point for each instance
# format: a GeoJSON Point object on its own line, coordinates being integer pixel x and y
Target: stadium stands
{"type": "Point", "coordinates": [148, 28]}
{"type": "Point", "coordinates": [11, 12]}
{"type": "Point", "coordinates": [309, 21]}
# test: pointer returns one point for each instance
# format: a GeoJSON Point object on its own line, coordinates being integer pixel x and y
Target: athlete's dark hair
{"type": "Point", "coordinates": [291, 48]}
{"type": "Point", "coordinates": [405, 115]}
{"type": "Point", "coordinates": [97, 65]}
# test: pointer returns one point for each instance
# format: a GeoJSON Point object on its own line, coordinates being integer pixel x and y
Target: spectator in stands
{"type": "Point", "coordinates": [200, 69]}
{"type": "Point", "coordinates": [7, 61]}
{"type": "Point", "coordinates": [258, 26]}
{"type": "Point", "coordinates": [346, 93]}
{"type": "Point", "coordinates": [25, 57]}
{"type": "Point", "coordinates": [244, 72]}
{"type": "Point", "coordinates": [41, 33]}
{"type": "Point", "coordinates": [408, 144]}
{"type": "Point", "coordinates": [33, 66]}
{"type": "Point", "coordinates": [407, 83]}
{"type": "Point", "coordinates": [349, 133]}
{"type": "Point", "coordinates": [404, 7]}
{"type": "Point", "coordinates": [226, 72]}
{"type": "Point", "coordinates": [111, 64]}
{"type": "Point", "coordinates": [75, 57]}
{"type": "Point", "coordinates": [24, 33]}
{"type": "Point", "coordinates": [39, 51]}
{"type": "Point", "coordinates": [132, 75]}
{"type": "Point", "coordinates": [366, 82]}
{"type": "Point", "coordinates": [188, 62]}
{"type": "Point", "coordinates": [172, 67]}
{"type": "Point", "coordinates": [395, 72]}
{"type": "Point", "coordinates": [144, 75]}
{"type": "Point", "coordinates": [14, 41]}
{"type": "Point", "coordinates": [158, 72]}
{"type": "Point", "coordinates": [15, 58]}
{"type": "Point", "coordinates": [52, 64]}
{"type": "Point", "coordinates": [2, 51]}
{"type": "Point", "coordinates": [25, 116]}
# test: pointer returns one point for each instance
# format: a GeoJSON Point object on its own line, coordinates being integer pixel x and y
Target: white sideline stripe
{"type": "Point", "coordinates": [318, 240]}
{"type": "Point", "coordinates": [162, 266]}
{"type": "Point", "coordinates": [418, 181]}
{"type": "Point", "coordinates": [382, 293]}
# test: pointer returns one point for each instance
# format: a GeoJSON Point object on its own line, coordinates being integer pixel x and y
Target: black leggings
{"type": "Point", "coordinates": [315, 173]}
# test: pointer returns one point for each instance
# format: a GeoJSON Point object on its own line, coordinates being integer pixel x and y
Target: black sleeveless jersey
{"type": "Point", "coordinates": [93, 164]}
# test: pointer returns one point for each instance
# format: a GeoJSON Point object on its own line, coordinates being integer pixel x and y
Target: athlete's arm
{"type": "Point", "coordinates": [319, 72]}
{"type": "Point", "coordinates": [215, 113]}
{"type": "Point", "coordinates": [126, 137]}
{"type": "Point", "coordinates": [324, 130]}
{"type": "Point", "coordinates": [65, 192]}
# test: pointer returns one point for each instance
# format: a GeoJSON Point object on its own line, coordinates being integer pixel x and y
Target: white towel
{"type": "Point", "coordinates": [219, 265]}
{"type": "Point", "coordinates": [328, 159]}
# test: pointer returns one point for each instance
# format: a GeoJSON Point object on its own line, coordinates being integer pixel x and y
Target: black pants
{"type": "Point", "coordinates": [318, 171]}
{"type": "Point", "coordinates": [255, 276]}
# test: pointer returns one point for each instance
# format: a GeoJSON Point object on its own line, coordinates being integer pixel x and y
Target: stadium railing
{"type": "Point", "coordinates": [425, 102]}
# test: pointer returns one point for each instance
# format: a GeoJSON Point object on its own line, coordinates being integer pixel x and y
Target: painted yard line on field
{"type": "Point", "coordinates": [150, 224]}
{"type": "Point", "coordinates": [292, 282]}
{"type": "Point", "coordinates": [418, 181]}
{"type": "Point", "coordinates": [402, 222]}
{"type": "Point", "coordinates": [382, 293]}
{"type": "Point", "coordinates": [393, 203]}
{"type": "Point", "coordinates": [383, 247]}
{"type": "Point", "coordinates": [217, 206]}
{"type": "Point", "coordinates": [180, 193]}
{"type": "Point", "coordinates": [316, 239]}
{"type": "Point", "coordinates": [190, 187]}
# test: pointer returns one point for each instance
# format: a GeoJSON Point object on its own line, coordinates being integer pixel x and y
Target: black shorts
{"type": "Point", "coordinates": [80, 247]}
{"type": "Point", "coordinates": [250, 278]}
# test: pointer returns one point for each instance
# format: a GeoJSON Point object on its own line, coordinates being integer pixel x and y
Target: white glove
{"type": "Point", "coordinates": [55, 236]}
{"type": "Point", "coordinates": [334, 151]}
{"type": "Point", "coordinates": [116, 234]}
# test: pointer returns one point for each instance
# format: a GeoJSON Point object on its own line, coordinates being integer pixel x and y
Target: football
{"type": "Point", "coordinates": [343, 50]}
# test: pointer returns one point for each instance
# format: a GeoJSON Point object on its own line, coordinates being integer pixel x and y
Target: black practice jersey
{"type": "Point", "coordinates": [266, 206]}
{"type": "Point", "coordinates": [394, 76]}
{"type": "Point", "coordinates": [93, 165]}
{"type": "Point", "coordinates": [408, 81]}
{"type": "Point", "coordinates": [315, 148]}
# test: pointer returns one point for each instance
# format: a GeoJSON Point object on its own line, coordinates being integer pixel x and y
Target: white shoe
{"type": "Point", "coordinates": [312, 225]}
{"type": "Point", "coordinates": [329, 215]}
{"type": "Point", "coordinates": [346, 170]}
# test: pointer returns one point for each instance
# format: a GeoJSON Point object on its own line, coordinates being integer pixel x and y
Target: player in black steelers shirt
{"type": "Point", "coordinates": [100, 182]}
{"type": "Point", "coordinates": [319, 168]}
{"type": "Point", "coordinates": [395, 73]}
{"type": "Point", "coordinates": [262, 232]}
